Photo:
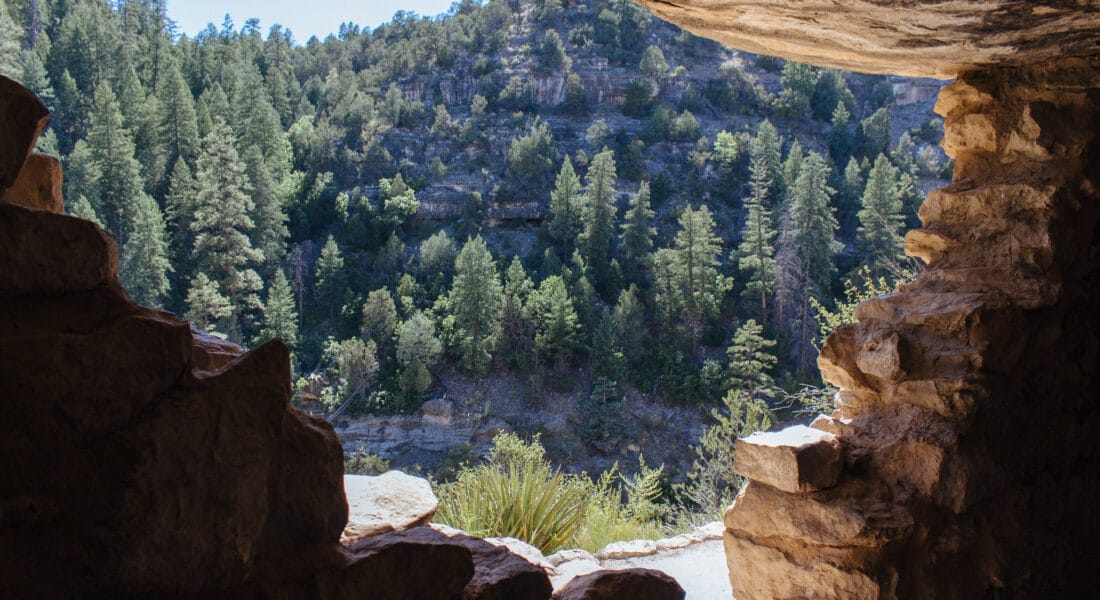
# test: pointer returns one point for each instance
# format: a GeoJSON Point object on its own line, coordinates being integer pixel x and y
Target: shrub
{"type": "Point", "coordinates": [362, 462]}
{"type": "Point", "coordinates": [516, 494]}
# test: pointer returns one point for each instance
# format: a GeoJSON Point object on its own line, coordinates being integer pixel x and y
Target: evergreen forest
{"type": "Point", "coordinates": [571, 191]}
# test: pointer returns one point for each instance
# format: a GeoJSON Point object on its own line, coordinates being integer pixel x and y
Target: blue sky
{"type": "Point", "coordinates": [304, 17]}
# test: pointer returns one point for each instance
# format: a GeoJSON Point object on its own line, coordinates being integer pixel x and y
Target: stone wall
{"type": "Point", "coordinates": [968, 406]}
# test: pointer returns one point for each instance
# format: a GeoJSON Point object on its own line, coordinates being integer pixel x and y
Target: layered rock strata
{"type": "Point", "coordinates": [968, 399]}
{"type": "Point", "coordinates": [918, 38]}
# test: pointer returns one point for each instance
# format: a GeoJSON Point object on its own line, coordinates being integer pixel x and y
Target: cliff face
{"type": "Point", "coordinates": [968, 401]}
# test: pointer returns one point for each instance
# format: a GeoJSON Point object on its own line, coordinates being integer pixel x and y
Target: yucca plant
{"type": "Point", "coordinates": [516, 494]}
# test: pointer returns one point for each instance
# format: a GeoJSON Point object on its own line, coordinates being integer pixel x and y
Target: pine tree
{"type": "Point", "coordinates": [379, 318]}
{"type": "Point", "coordinates": [223, 249]}
{"type": "Point", "coordinates": [653, 62]}
{"type": "Point", "coordinates": [881, 219]}
{"type": "Point", "coordinates": [599, 203]}
{"type": "Point", "coordinates": [516, 318]}
{"type": "Point", "coordinates": [750, 359]}
{"type": "Point", "coordinates": [206, 305]}
{"type": "Point", "coordinates": [792, 165]}
{"type": "Point", "coordinates": [280, 319]}
{"type": "Point", "coordinates": [179, 212]}
{"type": "Point", "coordinates": [143, 264]}
{"type": "Point", "coordinates": [82, 209]}
{"type": "Point", "coordinates": [804, 263]}
{"type": "Point", "coordinates": [9, 45]}
{"type": "Point", "coordinates": [606, 356]}
{"type": "Point", "coordinates": [564, 222]}
{"type": "Point", "coordinates": [765, 170]}
{"type": "Point", "coordinates": [179, 132]}
{"type": "Point", "coordinates": [628, 321]}
{"type": "Point", "coordinates": [558, 327]}
{"type": "Point", "coordinates": [417, 343]}
{"type": "Point", "coordinates": [115, 173]}
{"type": "Point", "coordinates": [636, 239]}
{"type": "Point", "coordinates": [475, 300]}
{"type": "Point", "coordinates": [331, 279]}
{"type": "Point", "coordinates": [841, 145]}
{"type": "Point", "coordinates": [698, 285]}
{"type": "Point", "coordinates": [757, 262]}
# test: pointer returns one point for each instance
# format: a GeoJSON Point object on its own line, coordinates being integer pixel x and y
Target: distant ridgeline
{"type": "Point", "coordinates": [574, 191]}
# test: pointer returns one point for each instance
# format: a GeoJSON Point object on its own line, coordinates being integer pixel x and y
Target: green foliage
{"type": "Point", "coordinates": [881, 219]}
{"type": "Point", "coordinates": [804, 262]}
{"type": "Point", "coordinates": [206, 305]}
{"type": "Point", "coordinates": [361, 462]}
{"type": "Point", "coordinates": [750, 361]}
{"type": "Point", "coordinates": [697, 286]}
{"type": "Point", "coordinates": [636, 237]}
{"type": "Point", "coordinates": [798, 81]}
{"type": "Point", "coordinates": [858, 288]}
{"type": "Point", "coordinates": [475, 303]}
{"type": "Point", "coordinates": [379, 317]}
{"type": "Point", "coordinates": [558, 327]}
{"type": "Point", "coordinates": [712, 484]}
{"type": "Point", "coordinates": [516, 494]}
{"type": "Point", "coordinates": [144, 264]}
{"type": "Point", "coordinates": [564, 222]}
{"type": "Point", "coordinates": [552, 56]}
{"type": "Point", "coordinates": [599, 216]}
{"type": "Point", "coordinates": [639, 99]}
{"type": "Point", "coordinates": [653, 62]}
{"type": "Point", "coordinates": [417, 343]}
{"type": "Point", "coordinates": [222, 223]}
{"type": "Point", "coordinates": [280, 319]}
{"type": "Point", "coordinates": [351, 367]}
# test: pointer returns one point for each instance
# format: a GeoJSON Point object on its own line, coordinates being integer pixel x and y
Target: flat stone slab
{"type": "Point", "coordinates": [797, 459]}
{"type": "Point", "coordinates": [392, 501]}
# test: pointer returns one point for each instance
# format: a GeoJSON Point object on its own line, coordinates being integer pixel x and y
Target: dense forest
{"type": "Point", "coordinates": [569, 190]}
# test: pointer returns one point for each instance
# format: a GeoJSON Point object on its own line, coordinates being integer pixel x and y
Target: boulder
{"type": "Point", "coordinates": [38, 185]}
{"type": "Point", "coordinates": [22, 118]}
{"type": "Point", "coordinates": [632, 584]}
{"type": "Point", "coordinates": [417, 563]}
{"type": "Point", "coordinates": [500, 573]}
{"type": "Point", "coordinates": [438, 411]}
{"type": "Point", "coordinates": [211, 353]}
{"type": "Point", "coordinates": [796, 459]}
{"type": "Point", "coordinates": [45, 253]}
{"type": "Point", "coordinates": [628, 549]}
{"type": "Point", "coordinates": [392, 501]}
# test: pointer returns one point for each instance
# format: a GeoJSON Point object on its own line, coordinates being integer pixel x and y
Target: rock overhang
{"type": "Point", "coordinates": [916, 38]}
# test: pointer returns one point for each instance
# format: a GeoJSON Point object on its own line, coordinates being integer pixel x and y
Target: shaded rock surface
{"type": "Point", "coordinates": [504, 568]}
{"type": "Point", "coordinates": [38, 185]}
{"type": "Point", "coordinates": [392, 501]}
{"type": "Point", "coordinates": [22, 118]}
{"type": "Point", "coordinates": [636, 584]}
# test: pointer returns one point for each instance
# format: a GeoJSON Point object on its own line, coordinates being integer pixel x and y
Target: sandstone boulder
{"type": "Point", "coordinates": [38, 185]}
{"type": "Point", "coordinates": [632, 584]}
{"type": "Point", "coordinates": [392, 501]}
{"type": "Point", "coordinates": [22, 118]}
{"type": "Point", "coordinates": [796, 459]}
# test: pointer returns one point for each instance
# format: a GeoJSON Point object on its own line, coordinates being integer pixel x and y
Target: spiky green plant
{"type": "Point", "coordinates": [516, 494]}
